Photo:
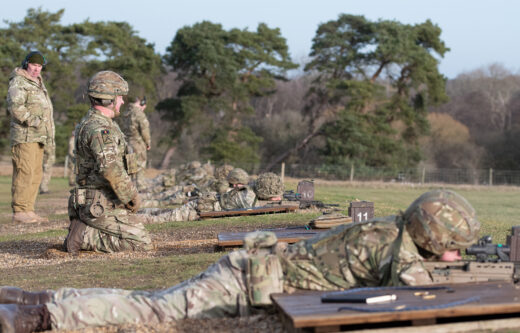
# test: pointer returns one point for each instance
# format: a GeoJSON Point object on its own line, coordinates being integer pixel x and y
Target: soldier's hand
{"type": "Point", "coordinates": [134, 204]}
{"type": "Point", "coordinates": [34, 122]}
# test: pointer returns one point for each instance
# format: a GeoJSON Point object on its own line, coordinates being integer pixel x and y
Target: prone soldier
{"type": "Point", "coordinates": [379, 252]}
{"type": "Point", "coordinates": [237, 196]}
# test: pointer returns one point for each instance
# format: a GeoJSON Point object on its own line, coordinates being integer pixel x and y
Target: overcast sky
{"type": "Point", "coordinates": [478, 32]}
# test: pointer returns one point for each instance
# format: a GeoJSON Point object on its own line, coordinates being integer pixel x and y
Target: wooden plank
{"type": "Point", "coordinates": [306, 310]}
{"type": "Point", "coordinates": [288, 235]}
{"type": "Point", "coordinates": [249, 211]}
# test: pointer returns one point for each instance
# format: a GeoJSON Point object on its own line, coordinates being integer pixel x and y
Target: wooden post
{"type": "Point", "coordinates": [282, 172]}
{"type": "Point", "coordinates": [66, 170]}
{"type": "Point", "coordinates": [352, 172]}
{"type": "Point", "coordinates": [423, 174]}
{"type": "Point", "coordinates": [490, 176]}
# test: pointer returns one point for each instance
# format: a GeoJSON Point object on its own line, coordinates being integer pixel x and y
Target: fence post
{"type": "Point", "coordinates": [423, 174]}
{"type": "Point", "coordinates": [282, 172]}
{"type": "Point", "coordinates": [66, 170]}
{"type": "Point", "coordinates": [490, 176]}
{"type": "Point", "coordinates": [352, 172]}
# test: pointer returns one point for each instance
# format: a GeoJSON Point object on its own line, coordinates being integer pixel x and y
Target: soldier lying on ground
{"type": "Point", "coordinates": [269, 188]}
{"type": "Point", "coordinates": [104, 200]}
{"type": "Point", "coordinates": [188, 181]}
{"type": "Point", "coordinates": [239, 195]}
{"type": "Point", "coordinates": [380, 252]}
{"type": "Point", "coordinates": [192, 173]}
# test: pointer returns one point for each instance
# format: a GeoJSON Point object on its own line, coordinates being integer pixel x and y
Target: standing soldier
{"type": "Point", "coordinates": [70, 164]}
{"type": "Point", "coordinates": [136, 128]}
{"type": "Point", "coordinates": [49, 156]}
{"type": "Point", "coordinates": [32, 128]}
{"type": "Point", "coordinates": [104, 199]}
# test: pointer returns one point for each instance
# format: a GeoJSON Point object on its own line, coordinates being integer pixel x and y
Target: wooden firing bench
{"type": "Point", "coordinates": [305, 311]}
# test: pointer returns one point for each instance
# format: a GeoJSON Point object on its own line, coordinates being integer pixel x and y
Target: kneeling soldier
{"type": "Point", "coordinates": [103, 203]}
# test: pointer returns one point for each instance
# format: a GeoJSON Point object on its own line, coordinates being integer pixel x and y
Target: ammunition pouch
{"type": "Point", "coordinates": [92, 200]}
{"type": "Point", "coordinates": [264, 274]}
{"type": "Point", "coordinates": [131, 165]}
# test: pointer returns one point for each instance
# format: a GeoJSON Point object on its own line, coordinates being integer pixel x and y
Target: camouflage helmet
{"type": "Point", "coordinates": [223, 171]}
{"type": "Point", "coordinates": [194, 165]}
{"type": "Point", "coordinates": [268, 185]}
{"type": "Point", "coordinates": [238, 176]}
{"type": "Point", "coordinates": [107, 85]}
{"type": "Point", "coordinates": [440, 221]}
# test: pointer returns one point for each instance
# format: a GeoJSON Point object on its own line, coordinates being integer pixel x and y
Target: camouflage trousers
{"type": "Point", "coordinates": [49, 157]}
{"type": "Point", "coordinates": [116, 230]}
{"type": "Point", "coordinates": [219, 291]}
{"type": "Point", "coordinates": [141, 157]}
{"type": "Point", "coordinates": [186, 212]}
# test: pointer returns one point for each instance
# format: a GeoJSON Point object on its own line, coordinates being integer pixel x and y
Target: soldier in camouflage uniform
{"type": "Point", "coordinates": [238, 196]}
{"type": "Point", "coordinates": [380, 252]}
{"type": "Point", "coordinates": [269, 188]}
{"type": "Point", "coordinates": [104, 200]}
{"type": "Point", "coordinates": [71, 159]}
{"type": "Point", "coordinates": [49, 157]}
{"type": "Point", "coordinates": [136, 128]}
{"type": "Point", "coordinates": [32, 128]}
{"type": "Point", "coordinates": [191, 179]}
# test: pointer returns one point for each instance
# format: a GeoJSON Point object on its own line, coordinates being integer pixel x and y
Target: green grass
{"type": "Point", "coordinates": [498, 208]}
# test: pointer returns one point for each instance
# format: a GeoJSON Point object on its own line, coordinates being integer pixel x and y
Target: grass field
{"type": "Point", "coordinates": [27, 262]}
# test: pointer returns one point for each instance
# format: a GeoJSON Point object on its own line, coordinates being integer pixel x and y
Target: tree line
{"type": "Point", "coordinates": [370, 94]}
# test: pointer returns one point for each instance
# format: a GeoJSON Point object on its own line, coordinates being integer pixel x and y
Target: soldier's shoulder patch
{"type": "Point", "coordinates": [105, 134]}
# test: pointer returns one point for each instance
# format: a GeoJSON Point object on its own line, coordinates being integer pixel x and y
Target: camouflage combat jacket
{"type": "Point", "coordinates": [30, 107]}
{"type": "Point", "coordinates": [238, 198]}
{"type": "Point", "coordinates": [100, 157]}
{"type": "Point", "coordinates": [136, 127]}
{"type": "Point", "coordinates": [352, 255]}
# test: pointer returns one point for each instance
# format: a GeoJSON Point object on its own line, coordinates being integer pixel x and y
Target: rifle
{"type": "Point", "coordinates": [494, 262]}
{"type": "Point", "coordinates": [292, 196]}
{"type": "Point", "coordinates": [315, 203]}
{"type": "Point", "coordinates": [304, 204]}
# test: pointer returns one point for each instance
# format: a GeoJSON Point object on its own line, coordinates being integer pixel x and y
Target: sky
{"type": "Point", "coordinates": [478, 32]}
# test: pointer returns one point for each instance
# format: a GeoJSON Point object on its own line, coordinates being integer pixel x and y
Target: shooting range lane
{"type": "Point", "coordinates": [249, 211]}
{"type": "Point", "coordinates": [288, 235]}
{"type": "Point", "coordinates": [306, 310]}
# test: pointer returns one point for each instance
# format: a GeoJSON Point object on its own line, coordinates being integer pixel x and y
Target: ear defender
{"type": "Point", "coordinates": [34, 57]}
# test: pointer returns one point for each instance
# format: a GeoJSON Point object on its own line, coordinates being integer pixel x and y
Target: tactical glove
{"type": "Point", "coordinates": [134, 204]}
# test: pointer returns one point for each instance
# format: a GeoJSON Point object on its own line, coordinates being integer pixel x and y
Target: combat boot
{"type": "Point", "coordinates": [24, 318]}
{"type": "Point", "coordinates": [74, 239]}
{"type": "Point", "coordinates": [38, 218]}
{"type": "Point", "coordinates": [14, 295]}
{"type": "Point", "coordinates": [24, 217]}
